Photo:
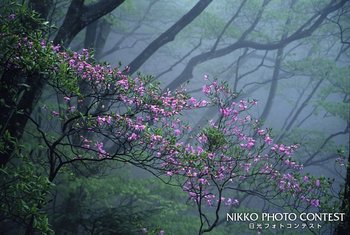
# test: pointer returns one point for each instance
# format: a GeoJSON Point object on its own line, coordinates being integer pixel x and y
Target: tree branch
{"type": "Point", "coordinates": [79, 16]}
{"type": "Point", "coordinates": [168, 35]}
{"type": "Point", "coordinates": [187, 73]}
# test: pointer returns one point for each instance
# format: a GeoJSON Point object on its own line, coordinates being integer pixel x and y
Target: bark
{"type": "Point", "coordinates": [130, 33]}
{"type": "Point", "coordinates": [344, 227]}
{"type": "Point", "coordinates": [16, 116]}
{"type": "Point", "coordinates": [79, 16]}
{"type": "Point", "coordinates": [90, 35]}
{"type": "Point", "coordinates": [168, 35]}
{"type": "Point", "coordinates": [101, 38]}
{"type": "Point", "coordinates": [30, 228]}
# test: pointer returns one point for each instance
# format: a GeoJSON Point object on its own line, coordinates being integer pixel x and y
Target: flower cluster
{"type": "Point", "coordinates": [236, 153]}
{"type": "Point", "coordinates": [106, 114]}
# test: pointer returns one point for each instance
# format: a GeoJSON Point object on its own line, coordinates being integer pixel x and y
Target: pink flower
{"type": "Point", "coordinates": [211, 156]}
{"type": "Point", "coordinates": [72, 108]}
{"type": "Point", "coordinates": [257, 159]}
{"type": "Point", "coordinates": [156, 137]}
{"type": "Point", "coordinates": [12, 16]}
{"type": "Point", "coordinates": [199, 150]}
{"type": "Point", "coordinates": [100, 149]}
{"type": "Point", "coordinates": [315, 202]}
{"type": "Point", "coordinates": [206, 89]}
{"type": "Point", "coordinates": [177, 132]}
{"type": "Point", "coordinates": [317, 183]}
{"type": "Point", "coordinates": [56, 48]}
{"type": "Point", "coordinates": [202, 139]}
{"type": "Point", "coordinates": [192, 100]}
{"type": "Point", "coordinates": [281, 148]}
{"type": "Point", "coordinates": [242, 105]}
{"type": "Point", "coordinates": [85, 52]}
{"type": "Point", "coordinates": [261, 132]}
{"type": "Point", "coordinates": [124, 83]}
{"type": "Point", "coordinates": [246, 167]}
{"type": "Point", "coordinates": [133, 136]}
{"type": "Point", "coordinates": [251, 143]}
{"type": "Point", "coordinates": [100, 120]}
{"type": "Point", "coordinates": [55, 113]}
{"type": "Point", "coordinates": [43, 43]}
{"type": "Point", "coordinates": [268, 140]}
{"type": "Point", "coordinates": [109, 119]}
{"type": "Point", "coordinates": [225, 112]}
{"type": "Point", "coordinates": [274, 147]}
{"type": "Point", "coordinates": [203, 103]}
{"type": "Point", "coordinates": [86, 146]}
{"type": "Point", "coordinates": [139, 127]}
{"type": "Point", "coordinates": [71, 62]}
{"type": "Point", "coordinates": [202, 181]}
{"type": "Point", "coordinates": [209, 199]}
{"type": "Point", "coordinates": [230, 202]}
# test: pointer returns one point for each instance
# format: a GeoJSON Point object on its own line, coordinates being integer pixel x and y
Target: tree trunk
{"type": "Point", "coordinates": [15, 118]}
{"type": "Point", "coordinates": [344, 227]}
{"type": "Point", "coordinates": [168, 35]}
{"type": "Point", "coordinates": [79, 16]}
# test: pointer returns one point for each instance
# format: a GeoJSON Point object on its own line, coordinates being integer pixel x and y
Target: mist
{"type": "Point", "coordinates": [169, 117]}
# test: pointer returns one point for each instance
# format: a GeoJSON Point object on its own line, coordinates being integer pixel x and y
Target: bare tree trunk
{"type": "Point", "coordinates": [101, 38]}
{"type": "Point", "coordinates": [79, 16]}
{"type": "Point", "coordinates": [14, 118]}
{"type": "Point", "coordinates": [168, 35]}
{"type": "Point", "coordinates": [344, 227]}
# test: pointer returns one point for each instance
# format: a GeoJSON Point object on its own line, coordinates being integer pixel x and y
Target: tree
{"type": "Point", "coordinates": [320, 19]}
{"type": "Point", "coordinates": [77, 18]}
{"type": "Point", "coordinates": [131, 120]}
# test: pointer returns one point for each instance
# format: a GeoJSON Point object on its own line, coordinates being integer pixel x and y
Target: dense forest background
{"type": "Point", "coordinates": [159, 116]}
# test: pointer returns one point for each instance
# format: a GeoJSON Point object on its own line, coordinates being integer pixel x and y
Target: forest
{"type": "Point", "coordinates": [174, 117]}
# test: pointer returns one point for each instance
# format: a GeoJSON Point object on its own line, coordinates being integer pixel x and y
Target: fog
{"type": "Point", "coordinates": [248, 70]}
{"type": "Point", "coordinates": [292, 57]}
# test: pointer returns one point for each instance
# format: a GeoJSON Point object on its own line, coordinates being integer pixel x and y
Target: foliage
{"type": "Point", "coordinates": [22, 45]}
{"type": "Point", "coordinates": [104, 115]}
{"type": "Point", "coordinates": [116, 203]}
{"type": "Point", "coordinates": [24, 190]}
{"type": "Point", "coordinates": [24, 193]}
